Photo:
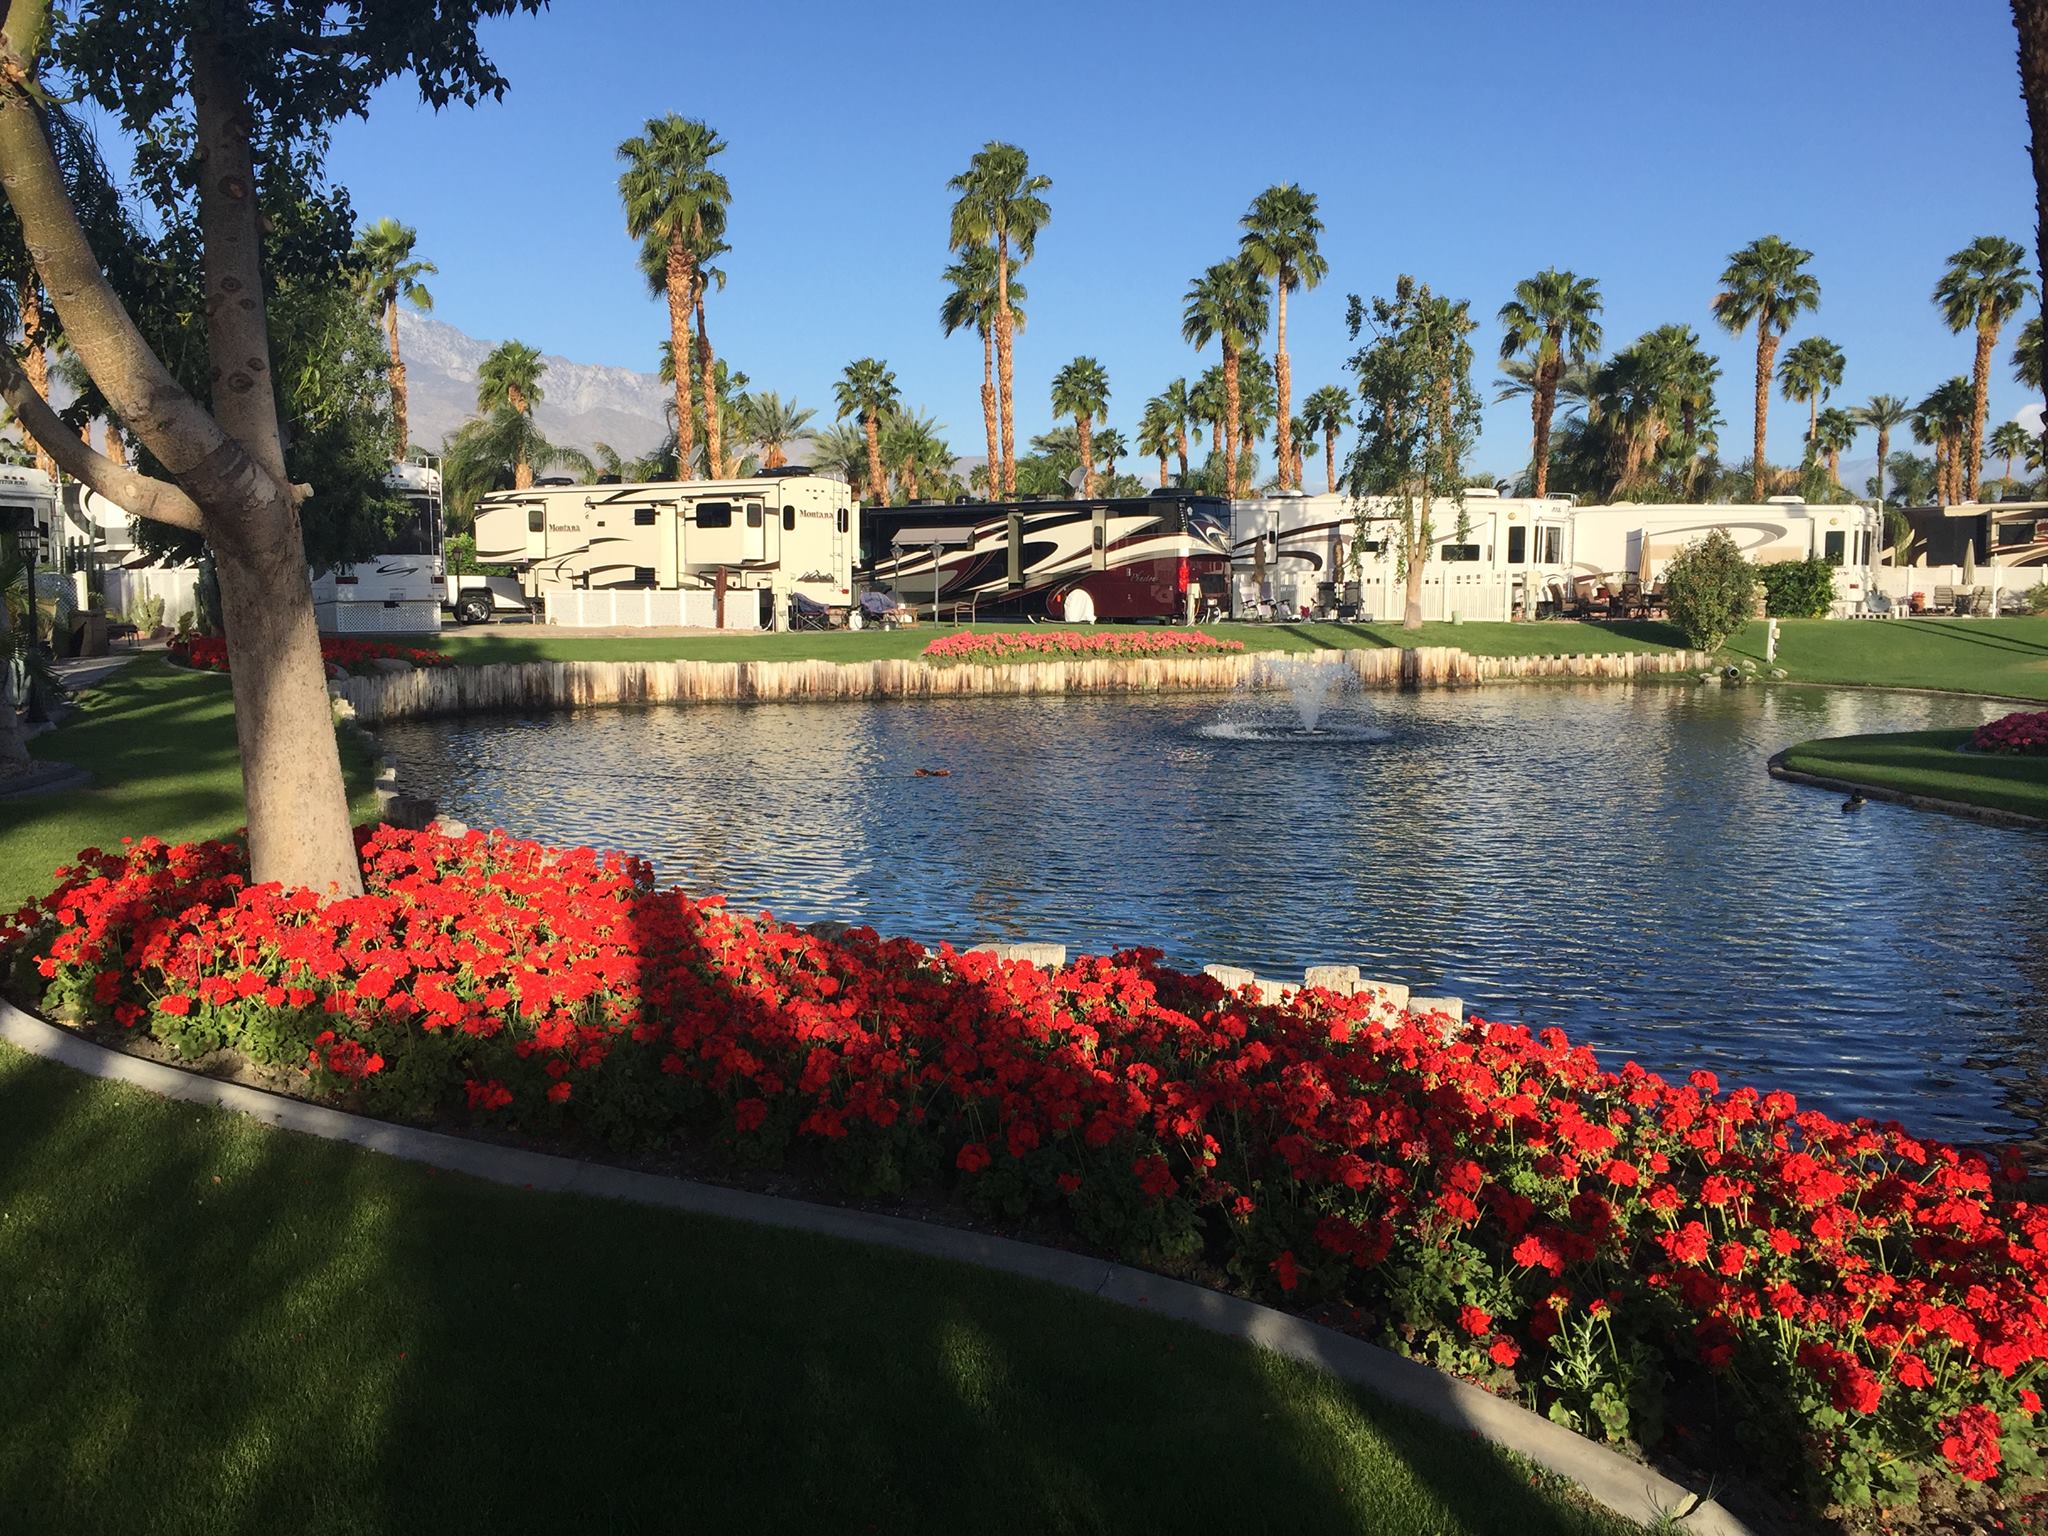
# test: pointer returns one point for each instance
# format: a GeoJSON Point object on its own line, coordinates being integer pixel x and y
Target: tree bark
{"type": "Point", "coordinates": [1973, 466]}
{"type": "Point", "coordinates": [1182, 433]}
{"type": "Point", "coordinates": [1005, 368]}
{"type": "Point", "coordinates": [1884, 445]}
{"type": "Point", "coordinates": [681, 282]}
{"type": "Point", "coordinates": [1162, 466]}
{"type": "Point", "coordinates": [1766, 350]}
{"type": "Point", "coordinates": [707, 386]}
{"type": "Point", "coordinates": [35, 365]}
{"type": "Point", "coordinates": [1284, 443]}
{"type": "Point", "coordinates": [398, 416]}
{"type": "Point", "coordinates": [988, 412]}
{"type": "Point", "coordinates": [2030, 20]}
{"type": "Point", "coordinates": [1084, 430]}
{"type": "Point", "coordinates": [1330, 457]}
{"type": "Point", "coordinates": [1418, 556]}
{"type": "Point", "coordinates": [877, 486]}
{"type": "Point", "coordinates": [1230, 417]}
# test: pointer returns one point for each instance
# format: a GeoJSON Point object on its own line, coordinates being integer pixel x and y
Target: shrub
{"type": "Point", "coordinates": [1871, 1306]}
{"type": "Point", "coordinates": [1712, 590]}
{"type": "Point", "coordinates": [1797, 589]}
{"type": "Point", "coordinates": [2037, 597]}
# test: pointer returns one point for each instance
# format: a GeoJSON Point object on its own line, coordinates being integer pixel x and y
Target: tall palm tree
{"type": "Point", "coordinates": [773, 424]}
{"type": "Point", "coordinates": [1985, 283]}
{"type": "Point", "coordinates": [2012, 441]}
{"type": "Point", "coordinates": [385, 271]}
{"type": "Point", "coordinates": [1081, 390]}
{"type": "Point", "coordinates": [1157, 433]}
{"type": "Point", "coordinates": [675, 202]}
{"type": "Point", "coordinates": [1329, 409]}
{"type": "Point", "coordinates": [1208, 402]}
{"type": "Point", "coordinates": [2026, 355]}
{"type": "Point", "coordinates": [1280, 234]}
{"type": "Point", "coordinates": [1554, 318]}
{"type": "Point", "coordinates": [1943, 420]}
{"type": "Point", "coordinates": [1301, 434]}
{"type": "Point", "coordinates": [1881, 413]}
{"type": "Point", "coordinates": [1227, 303]}
{"type": "Point", "coordinates": [1109, 447]}
{"type": "Point", "coordinates": [1000, 205]}
{"type": "Point", "coordinates": [971, 299]}
{"type": "Point", "coordinates": [867, 390]}
{"type": "Point", "coordinates": [1177, 408]}
{"type": "Point", "coordinates": [496, 451]}
{"type": "Point", "coordinates": [914, 452]}
{"type": "Point", "coordinates": [1809, 374]}
{"type": "Point", "coordinates": [1765, 282]}
{"type": "Point", "coordinates": [842, 450]}
{"type": "Point", "coordinates": [1833, 431]}
{"type": "Point", "coordinates": [509, 379]}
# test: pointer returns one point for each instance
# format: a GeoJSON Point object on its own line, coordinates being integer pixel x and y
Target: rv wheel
{"type": "Point", "coordinates": [473, 608]}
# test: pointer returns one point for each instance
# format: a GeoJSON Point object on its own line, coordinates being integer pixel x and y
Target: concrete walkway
{"type": "Point", "coordinates": [1628, 1488]}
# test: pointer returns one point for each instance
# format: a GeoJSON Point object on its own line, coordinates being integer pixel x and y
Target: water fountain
{"type": "Point", "coordinates": [1314, 686]}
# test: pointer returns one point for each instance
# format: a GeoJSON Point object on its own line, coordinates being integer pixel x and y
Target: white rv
{"type": "Point", "coordinates": [399, 590]}
{"type": "Point", "coordinates": [736, 552]}
{"type": "Point", "coordinates": [1516, 554]}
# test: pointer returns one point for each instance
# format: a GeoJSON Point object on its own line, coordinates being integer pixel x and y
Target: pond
{"type": "Point", "coordinates": [1610, 859]}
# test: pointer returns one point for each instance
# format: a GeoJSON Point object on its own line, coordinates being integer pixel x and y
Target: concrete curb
{"type": "Point", "coordinates": [1628, 1488]}
{"type": "Point", "coordinates": [1989, 815]}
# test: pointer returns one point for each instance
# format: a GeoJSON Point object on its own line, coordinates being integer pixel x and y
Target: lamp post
{"type": "Point", "coordinates": [38, 707]}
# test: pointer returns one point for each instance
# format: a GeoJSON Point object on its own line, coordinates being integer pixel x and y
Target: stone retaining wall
{"type": "Point", "coordinates": [547, 685]}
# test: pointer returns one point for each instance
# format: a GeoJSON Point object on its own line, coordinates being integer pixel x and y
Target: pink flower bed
{"type": "Point", "coordinates": [1069, 644]}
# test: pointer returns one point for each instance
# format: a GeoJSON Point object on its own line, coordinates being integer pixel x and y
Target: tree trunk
{"type": "Point", "coordinates": [399, 425]}
{"type": "Point", "coordinates": [1230, 418]}
{"type": "Point", "coordinates": [988, 412]}
{"type": "Point", "coordinates": [1006, 374]}
{"type": "Point", "coordinates": [1284, 443]}
{"type": "Point", "coordinates": [1766, 350]}
{"type": "Point", "coordinates": [1813, 424]}
{"type": "Point", "coordinates": [1987, 338]}
{"type": "Point", "coordinates": [2030, 18]}
{"type": "Point", "coordinates": [714, 446]}
{"type": "Point", "coordinates": [877, 486]}
{"type": "Point", "coordinates": [1330, 457]}
{"type": "Point", "coordinates": [1162, 466]}
{"type": "Point", "coordinates": [682, 288]}
{"type": "Point", "coordinates": [35, 363]}
{"type": "Point", "coordinates": [1084, 433]}
{"type": "Point", "coordinates": [299, 833]}
{"type": "Point", "coordinates": [1418, 557]}
{"type": "Point", "coordinates": [1182, 432]}
{"type": "Point", "coordinates": [13, 744]}
{"type": "Point", "coordinates": [1835, 467]}
{"type": "Point", "coordinates": [1884, 444]}
{"type": "Point", "coordinates": [1542, 407]}
{"type": "Point", "coordinates": [522, 469]}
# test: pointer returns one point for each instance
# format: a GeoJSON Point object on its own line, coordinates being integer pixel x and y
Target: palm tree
{"type": "Point", "coordinates": [1881, 413]}
{"type": "Point", "coordinates": [1943, 420]}
{"type": "Point", "coordinates": [1765, 282]}
{"type": "Point", "coordinates": [675, 203]}
{"type": "Point", "coordinates": [1110, 446]}
{"type": "Point", "coordinates": [971, 300]}
{"type": "Point", "coordinates": [496, 451]}
{"type": "Point", "coordinates": [1809, 374]}
{"type": "Point", "coordinates": [1553, 317]}
{"type": "Point", "coordinates": [841, 450]}
{"type": "Point", "coordinates": [1208, 402]}
{"type": "Point", "coordinates": [773, 424]}
{"type": "Point", "coordinates": [1280, 232]}
{"type": "Point", "coordinates": [1833, 431]}
{"type": "Point", "coordinates": [385, 271]}
{"type": "Point", "coordinates": [1329, 409]}
{"type": "Point", "coordinates": [1177, 408]}
{"type": "Point", "coordinates": [509, 379]}
{"type": "Point", "coordinates": [2012, 441]}
{"type": "Point", "coordinates": [2026, 355]}
{"type": "Point", "coordinates": [1985, 283]}
{"type": "Point", "coordinates": [1301, 433]}
{"type": "Point", "coordinates": [868, 390]}
{"type": "Point", "coordinates": [1157, 433]}
{"type": "Point", "coordinates": [1000, 205]}
{"type": "Point", "coordinates": [1081, 390]}
{"type": "Point", "coordinates": [915, 452]}
{"type": "Point", "coordinates": [1227, 303]}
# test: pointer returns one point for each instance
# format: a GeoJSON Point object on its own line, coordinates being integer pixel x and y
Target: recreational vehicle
{"type": "Point", "coordinates": [398, 590]}
{"type": "Point", "coordinates": [1497, 556]}
{"type": "Point", "coordinates": [1163, 556]}
{"type": "Point", "coordinates": [736, 552]}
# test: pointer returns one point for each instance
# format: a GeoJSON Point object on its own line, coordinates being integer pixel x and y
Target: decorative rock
{"type": "Point", "coordinates": [829, 929]}
{"type": "Point", "coordinates": [336, 672]}
{"type": "Point", "coordinates": [1271, 992]}
{"type": "Point", "coordinates": [1341, 979]}
{"type": "Point", "coordinates": [1453, 1006]}
{"type": "Point", "coordinates": [1392, 995]}
{"type": "Point", "coordinates": [1232, 977]}
{"type": "Point", "coordinates": [387, 776]}
{"type": "Point", "coordinates": [391, 664]}
{"type": "Point", "coordinates": [1047, 957]}
{"type": "Point", "coordinates": [413, 812]}
{"type": "Point", "coordinates": [448, 827]}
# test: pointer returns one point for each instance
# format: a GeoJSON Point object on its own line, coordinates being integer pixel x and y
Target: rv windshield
{"type": "Point", "coordinates": [418, 531]}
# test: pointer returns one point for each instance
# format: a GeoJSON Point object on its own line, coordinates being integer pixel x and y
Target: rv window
{"type": "Point", "coordinates": [533, 519]}
{"type": "Point", "coordinates": [1099, 534]}
{"type": "Point", "coordinates": [1518, 546]}
{"type": "Point", "coordinates": [789, 519]}
{"type": "Point", "coordinates": [643, 575]}
{"type": "Point", "coordinates": [2016, 533]}
{"type": "Point", "coordinates": [1457, 552]}
{"type": "Point", "coordinates": [643, 517]}
{"type": "Point", "coordinates": [753, 514]}
{"type": "Point", "coordinates": [1834, 548]}
{"type": "Point", "coordinates": [714, 514]}
{"type": "Point", "coordinates": [842, 519]}
{"type": "Point", "coordinates": [1552, 542]}
{"type": "Point", "coordinates": [1373, 546]}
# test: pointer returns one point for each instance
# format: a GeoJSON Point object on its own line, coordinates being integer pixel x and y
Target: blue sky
{"type": "Point", "coordinates": [1469, 143]}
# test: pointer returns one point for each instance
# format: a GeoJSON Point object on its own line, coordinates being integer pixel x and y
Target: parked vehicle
{"type": "Point", "coordinates": [401, 589]}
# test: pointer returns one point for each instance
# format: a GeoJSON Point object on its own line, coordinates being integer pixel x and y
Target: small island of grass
{"type": "Point", "coordinates": [1929, 766]}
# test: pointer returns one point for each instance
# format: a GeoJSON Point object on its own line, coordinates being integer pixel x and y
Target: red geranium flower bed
{"type": "Point", "coordinates": [2023, 731]}
{"type": "Point", "coordinates": [1871, 1307]}
{"type": "Point", "coordinates": [1073, 645]}
{"type": "Point", "coordinates": [209, 653]}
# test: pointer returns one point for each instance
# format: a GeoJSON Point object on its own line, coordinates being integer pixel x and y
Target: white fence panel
{"type": "Point", "coordinates": [177, 585]}
{"type": "Point", "coordinates": [646, 608]}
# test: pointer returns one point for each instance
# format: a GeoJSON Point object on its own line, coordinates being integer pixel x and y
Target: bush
{"type": "Point", "coordinates": [1797, 589]}
{"type": "Point", "coordinates": [1712, 590]}
{"type": "Point", "coordinates": [2037, 598]}
{"type": "Point", "coordinates": [1616, 1249]}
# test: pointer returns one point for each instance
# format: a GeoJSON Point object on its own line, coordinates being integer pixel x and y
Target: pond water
{"type": "Point", "coordinates": [1610, 859]}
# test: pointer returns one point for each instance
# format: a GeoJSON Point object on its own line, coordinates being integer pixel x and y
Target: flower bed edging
{"type": "Point", "coordinates": [1628, 1488]}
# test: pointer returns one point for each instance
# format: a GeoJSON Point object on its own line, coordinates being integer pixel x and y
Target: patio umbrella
{"type": "Point", "coordinates": [1970, 561]}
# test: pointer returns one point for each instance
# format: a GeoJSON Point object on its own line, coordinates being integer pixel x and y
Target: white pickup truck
{"type": "Point", "coordinates": [478, 599]}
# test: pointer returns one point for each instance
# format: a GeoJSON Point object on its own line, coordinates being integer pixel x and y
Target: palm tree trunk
{"type": "Point", "coordinates": [877, 486]}
{"type": "Point", "coordinates": [1542, 407]}
{"type": "Point", "coordinates": [35, 365]}
{"type": "Point", "coordinates": [988, 410]}
{"type": "Point", "coordinates": [714, 449]}
{"type": "Point", "coordinates": [1766, 350]}
{"type": "Point", "coordinates": [1005, 370]}
{"type": "Point", "coordinates": [1813, 424]}
{"type": "Point", "coordinates": [1884, 445]}
{"type": "Point", "coordinates": [522, 470]}
{"type": "Point", "coordinates": [1162, 466]}
{"type": "Point", "coordinates": [1835, 467]}
{"type": "Point", "coordinates": [116, 450]}
{"type": "Point", "coordinates": [682, 285]}
{"type": "Point", "coordinates": [1284, 444]}
{"type": "Point", "coordinates": [1183, 455]}
{"type": "Point", "coordinates": [1330, 456]}
{"type": "Point", "coordinates": [1987, 338]}
{"type": "Point", "coordinates": [1230, 418]}
{"type": "Point", "coordinates": [2030, 17]}
{"type": "Point", "coordinates": [399, 426]}
{"type": "Point", "coordinates": [1084, 432]}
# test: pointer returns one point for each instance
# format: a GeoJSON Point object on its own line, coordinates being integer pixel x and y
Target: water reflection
{"type": "Point", "coordinates": [1613, 860]}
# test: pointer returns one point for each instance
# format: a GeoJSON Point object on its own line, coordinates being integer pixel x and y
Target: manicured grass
{"type": "Point", "coordinates": [215, 1327]}
{"type": "Point", "coordinates": [160, 744]}
{"type": "Point", "coordinates": [2003, 656]}
{"type": "Point", "coordinates": [1927, 763]}
{"type": "Point", "coordinates": [511, 642]}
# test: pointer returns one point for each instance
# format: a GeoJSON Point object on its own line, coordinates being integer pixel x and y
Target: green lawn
{"type": "Point", "coordinates": [2004, 656]}
{"type": "Point", "coordinates": [160, 744]}
{"type": "Point", "coordinates": [1927, 763]}
{"type": "Point", "coordinates": [213, 1327]}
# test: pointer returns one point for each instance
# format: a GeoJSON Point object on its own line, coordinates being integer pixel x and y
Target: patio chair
{"type": "Point", "coordinates": [1944, 600]}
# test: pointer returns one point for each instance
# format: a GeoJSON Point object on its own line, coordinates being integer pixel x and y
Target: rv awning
{"type": "Point", "coordinates": [1993, 509]}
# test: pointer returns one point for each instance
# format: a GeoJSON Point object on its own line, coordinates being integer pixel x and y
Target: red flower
{"type": "Point", "coordinates": [749, 1114]}
{"type": "Point", "coordinates": [178, 1005]}
{"type": "Point", "coordinates": [558, 1093]}
{"type": "Point", "coordinates": [1505, 1351]}
{"type": "Point", "coordinates": [973, 1158]}
{"type": "Point", "coordinates": [1286, 1271]}
{"type": "Point", "coordinates": [1970, 1443]}
{"type": "Point", "coordinates": [1474, 1320]}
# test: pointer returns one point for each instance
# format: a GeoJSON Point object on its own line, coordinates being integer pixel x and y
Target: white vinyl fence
{"type": "Point", "coordinates": [177, 585]}
{"type": "Point", "coordinates": [646, 608]}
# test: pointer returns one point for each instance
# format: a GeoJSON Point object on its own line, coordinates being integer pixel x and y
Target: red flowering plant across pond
{"type": "Point", "coordinates": [209, 653]}
{"type": "Point", "coordinates": [2023, 731]}
{"type": "Point", "coordinates": [1072, 645]}
{"type": "Point", "coordinates": [1866, 1308]}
